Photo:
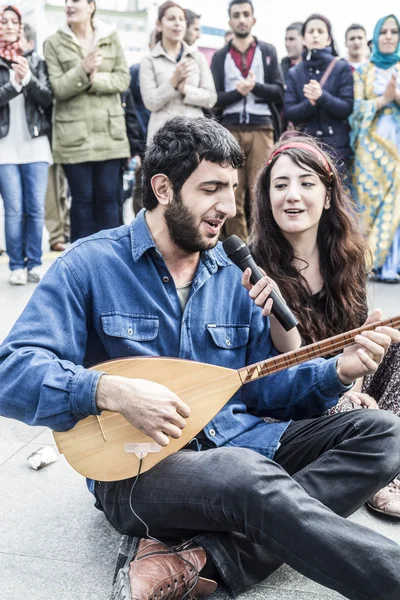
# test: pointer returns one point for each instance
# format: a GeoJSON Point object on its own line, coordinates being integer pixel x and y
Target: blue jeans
{"type": "Point", "coordinates": [23, 188]}
{"type": "Point", "coordinates": [95, 189]}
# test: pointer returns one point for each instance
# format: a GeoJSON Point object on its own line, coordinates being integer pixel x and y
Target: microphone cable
{"type": "Point", "coordinates": [154, 539]}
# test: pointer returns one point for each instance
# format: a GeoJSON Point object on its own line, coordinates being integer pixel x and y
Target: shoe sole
{"type": "Point", "coordinates": [383, 512]}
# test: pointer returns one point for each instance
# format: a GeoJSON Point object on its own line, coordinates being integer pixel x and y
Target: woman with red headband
{"type": "Point", "coordinates": [306, 236]}
{"type": "Point", "coordinates": [25, 155]}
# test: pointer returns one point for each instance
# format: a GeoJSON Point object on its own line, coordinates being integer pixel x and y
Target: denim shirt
{"type": "Point", "coordinates": [111, 296]}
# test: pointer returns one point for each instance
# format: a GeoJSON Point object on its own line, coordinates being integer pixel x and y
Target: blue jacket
{"type": "Point", "coordinates": [112, 296]}
{"type": "Point", "coordinates": [142, 114]}
{"type": "Point", "coordinates": [328, 120]}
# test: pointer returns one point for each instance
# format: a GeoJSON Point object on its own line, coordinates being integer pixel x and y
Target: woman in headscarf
{"type": "Point", "coordinates": [25, 153]}
{"type": "Point", "coordinates": [376, 142]}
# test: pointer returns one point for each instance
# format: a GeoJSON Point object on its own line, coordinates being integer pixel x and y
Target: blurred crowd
{"type": "Point", "coordinates": [74, 125]}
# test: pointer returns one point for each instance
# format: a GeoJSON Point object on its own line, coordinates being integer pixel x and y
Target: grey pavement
{"type": "Point", "coordinates": [55, 545]}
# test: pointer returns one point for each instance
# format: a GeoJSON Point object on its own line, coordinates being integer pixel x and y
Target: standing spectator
{"type": "Point", "coordinates": [192, 27]}
{"type": "Point", "coordinates": [25, 152]}
{"type": "Point", "coordinates": [57, 209]}
{"type": "Point", "coordinates": [357, 46]}
{"type": "Point", "coordinates": [376, 141]}
{"type": "Point", "coordinates": [249, 85]}
{"type": "Point", "coordinates": [56, 203]}
{"type": "Point", "coordinates": [175, 79]}
{"type": "Point", "coordinates": [136, 145]}
{"type": "Point", "coordinates": [143, 117]}
{"type": "Point", "coordinates": [28, 38]}
{"type": "Point", "coordinates": [321, 110]}
{"type": "Point", "coordinates": [88, 73]}
{"type": "Point", "coordinates": [142, 113]}
{"type": "Point", "coordinates": [294, 47]}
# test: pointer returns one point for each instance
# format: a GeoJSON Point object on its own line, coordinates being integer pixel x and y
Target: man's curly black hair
{"type": "Point", "coordinates": [178, 148]}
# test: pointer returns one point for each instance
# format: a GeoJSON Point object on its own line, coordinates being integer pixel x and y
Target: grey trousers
{"type": "Point", "coordinates": [57, 211]}
{"type": "Point", "coordinates": [252, 514]}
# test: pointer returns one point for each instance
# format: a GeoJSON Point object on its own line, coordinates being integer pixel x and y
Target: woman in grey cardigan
{"type": "Point", "coordinates": [175, 78]}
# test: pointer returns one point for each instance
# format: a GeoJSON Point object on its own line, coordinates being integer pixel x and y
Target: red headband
{"type": "Point", "coordinates": [304, 146]}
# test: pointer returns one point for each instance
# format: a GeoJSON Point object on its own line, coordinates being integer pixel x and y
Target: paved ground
{"type": "Point", "coordinates": [55, 544]}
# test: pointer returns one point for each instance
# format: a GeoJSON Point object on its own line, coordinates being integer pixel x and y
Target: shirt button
{"type": "Point", "coordinates": [212, 432]}
{"type": "Point", "coordinates": [79, 84]}
{"type": "Point", "coordinates": [317, 72]}
{"type": "Point", "coordinates": [130, 331]}
{"type": "Point", "coordinates": [228, 342]}
{"type": "Point", "coordinates": [165, 279]}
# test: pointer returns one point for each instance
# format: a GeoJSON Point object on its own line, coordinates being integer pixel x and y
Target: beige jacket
{"type": "Point", "coordinates": [159, 95]}
{"type": "Point", "coordinates": [88, 118]}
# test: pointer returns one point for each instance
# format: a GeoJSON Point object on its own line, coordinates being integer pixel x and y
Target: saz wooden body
{"type": "Point", "coordinates": [95, 447]}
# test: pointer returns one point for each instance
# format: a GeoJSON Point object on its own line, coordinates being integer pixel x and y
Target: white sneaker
{"type": "Point", "coordinates": [35, 275]}
{"type": "Point", "coordinates": [18, 277]}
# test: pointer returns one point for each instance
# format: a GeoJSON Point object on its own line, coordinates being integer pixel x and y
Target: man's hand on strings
{"type": "Point", "coordinates": [150, 407]}
{"type": "Point", "coordinates": [367, 353]}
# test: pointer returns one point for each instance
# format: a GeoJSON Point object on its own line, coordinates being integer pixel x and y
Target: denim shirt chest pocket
{"type": "Point", "coordinates": [126, 334]}
{"type": "Point", "coordinates": [226, 344]}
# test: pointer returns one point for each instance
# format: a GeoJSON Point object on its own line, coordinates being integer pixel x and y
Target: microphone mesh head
{"type": "Point", "coordinates": [232, 244]}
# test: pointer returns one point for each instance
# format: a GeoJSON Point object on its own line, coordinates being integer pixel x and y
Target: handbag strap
{"type": "Point", "coordinates": [328, 71]}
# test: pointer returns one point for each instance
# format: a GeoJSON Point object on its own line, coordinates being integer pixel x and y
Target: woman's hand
{"type": "Point", "coordinates": [20, 68]}
{"type": "Point", "coordinates": [363, 400]}
{"type": "Point", "coordinates": [284, 341]}
{"type": "Point", "coordinates": [181, 73]}
{"type": "Point", "coordinates": [391, 93]}
{"type": "Point", "coordinates": [312, 91]}
{"type": "Point", "coordinates": [181, 87]}
{"type": "Point", "coordinates": [260, 291]}
{"type": "Point", "coordinates": [92, 61]}
{"type": "Point", "coordinates": [391, 89]}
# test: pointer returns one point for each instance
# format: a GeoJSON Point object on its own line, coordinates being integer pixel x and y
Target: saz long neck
{"type": "Point", "coordinates": [332, 345]}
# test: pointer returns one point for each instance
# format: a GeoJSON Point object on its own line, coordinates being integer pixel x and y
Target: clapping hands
{"type": "Point", "coordinates": [312, 91]}
{"type": "Point", "coordinates": [245, 86]}
{"type": "Point", "coordinates": [181, 74]}
{"type": "Point", "coordinates": [20, 68]}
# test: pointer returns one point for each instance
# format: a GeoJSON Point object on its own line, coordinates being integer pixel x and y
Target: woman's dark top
{"type": "Point", "coordinates": [328, 119]}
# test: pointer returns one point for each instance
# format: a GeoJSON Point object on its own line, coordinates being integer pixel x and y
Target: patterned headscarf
{"type": "Point", "coordinates": [11, 50]}
{"type": "Point", "coordinates": [383, 61]}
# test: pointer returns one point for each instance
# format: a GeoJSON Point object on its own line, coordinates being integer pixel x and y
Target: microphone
{"type": "Point", "coordinates": [239, 253]}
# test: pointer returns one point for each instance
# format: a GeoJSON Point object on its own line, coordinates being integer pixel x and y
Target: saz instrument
{"type": "Point", "coordinates": [109, 448]}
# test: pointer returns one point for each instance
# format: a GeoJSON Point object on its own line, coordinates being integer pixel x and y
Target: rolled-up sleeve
{"type": "Point", "coordinates": [42, 378]}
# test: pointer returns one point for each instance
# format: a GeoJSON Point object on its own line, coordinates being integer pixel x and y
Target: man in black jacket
{"type": "Point", "coordinates": [249, 85]}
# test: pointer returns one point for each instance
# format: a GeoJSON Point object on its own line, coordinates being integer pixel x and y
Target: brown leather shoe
{"type": "Point", "coordinates": [58, 247]}
{"type": "Point", "coordinates": [157, 573]}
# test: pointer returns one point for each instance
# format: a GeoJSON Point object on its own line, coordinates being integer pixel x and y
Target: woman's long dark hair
{"type": "Point", "coordinates": [343, 252]}
{"type": "Point", "coordinates": [161, 12]}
